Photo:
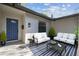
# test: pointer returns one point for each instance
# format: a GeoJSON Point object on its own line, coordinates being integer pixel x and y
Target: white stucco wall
{"type": "Point", "coordinates": [34, 20]}
{"type": "Point", "coordinates": [34, 24]}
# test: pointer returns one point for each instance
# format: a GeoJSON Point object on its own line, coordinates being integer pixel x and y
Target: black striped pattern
{"type": "Point", "coordinates": [41, 50]}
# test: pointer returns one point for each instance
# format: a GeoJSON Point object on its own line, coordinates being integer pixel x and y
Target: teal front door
{"type": "Point", "coordinates": [12, 29]}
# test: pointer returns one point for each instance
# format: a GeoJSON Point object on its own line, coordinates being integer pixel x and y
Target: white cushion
{"type": "Point", "coordinates": [44, 34]}
{"type": "Point", "coordinates": [60, 35]}
{"type": "Point", "coordinates": [65, 35]}
{"type": "Point", "coordinates": [56, 38]}
{"type": "Point", "coordinates": [72, 36]}
{"type": "Point", "coordinates": [40, 40]}
{"type": "Point", "coordinates": [42, 37]}
{"type": "Point", "coordinates": [70, 41]}
{"type": "Point", "coordinates": [37, 35]}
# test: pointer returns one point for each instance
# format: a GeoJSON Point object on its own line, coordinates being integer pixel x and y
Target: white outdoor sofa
{"type": "Point", "coordinates": [41, 37]}
{"type": "Point", "coordinates": [38, 37]}
{"type": "Point", "coordinates": [66, 37]}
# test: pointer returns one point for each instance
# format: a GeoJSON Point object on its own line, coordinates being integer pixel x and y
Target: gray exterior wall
{"type": "Point", "coordinates": [67, 25]}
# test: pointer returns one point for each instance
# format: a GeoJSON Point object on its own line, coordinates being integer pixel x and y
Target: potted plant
{"type": "Point", "coordinates": [51, 33]}
{"type": "Point", "coordinates": [3, 38]}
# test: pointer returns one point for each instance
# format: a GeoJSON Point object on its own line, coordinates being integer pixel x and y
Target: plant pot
{"type": "Point", "coordinates": [51, 37]}
{"type": "Point", "coordinates": [2, 43]}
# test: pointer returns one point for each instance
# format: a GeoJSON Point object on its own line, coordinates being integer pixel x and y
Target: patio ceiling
{"type": "Point", "coordinates": [8, 9]}
{"type": "Point", "coordinates": [29, 11]}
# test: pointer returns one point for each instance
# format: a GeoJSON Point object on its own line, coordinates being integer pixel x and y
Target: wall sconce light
{"type": "Point", "coordinates": [22, 27]}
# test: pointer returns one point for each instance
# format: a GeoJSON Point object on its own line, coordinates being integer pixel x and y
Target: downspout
{"type": "Point", "coordinates": [77, 27]}
{"type": "Point", "coordinates": [76, 42]}
{"type": "Point", "coordinates": [77, 30]}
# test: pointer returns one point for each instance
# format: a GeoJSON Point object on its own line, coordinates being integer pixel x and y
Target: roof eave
{"type": "Point", "coordinates": [67, 16]}
{"type": "Point", "coordinates": [28, 11]}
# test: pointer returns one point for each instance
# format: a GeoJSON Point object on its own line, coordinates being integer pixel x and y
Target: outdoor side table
{"type": "Point", "coordinates": [31, 41]}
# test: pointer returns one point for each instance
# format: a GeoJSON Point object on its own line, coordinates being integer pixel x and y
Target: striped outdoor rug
{"type": "Point", "coordinates": [41, 50]}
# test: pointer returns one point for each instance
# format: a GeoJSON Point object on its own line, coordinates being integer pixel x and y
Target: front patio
{"type": "Point", "coordinates": [20, 49]}
{"type": "Point", "coordinates": [12, 49]}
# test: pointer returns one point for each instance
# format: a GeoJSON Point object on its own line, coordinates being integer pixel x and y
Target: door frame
{"type": "Point", "coordinates": [18, 27]}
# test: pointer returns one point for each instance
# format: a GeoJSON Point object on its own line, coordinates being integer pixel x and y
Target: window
{"type": "Point", "coordinates": [42, 27]}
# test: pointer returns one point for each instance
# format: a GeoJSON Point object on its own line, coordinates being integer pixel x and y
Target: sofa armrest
{"type": "Point", "coordinates": [76, 41]}
{"type": "Point", "coordinates": [48, 38]}
{"type": "Point", "coordinates": [36, 40]}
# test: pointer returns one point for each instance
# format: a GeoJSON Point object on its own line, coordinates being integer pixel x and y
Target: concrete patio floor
{"type": "Point", "coordinates": [15, 49]}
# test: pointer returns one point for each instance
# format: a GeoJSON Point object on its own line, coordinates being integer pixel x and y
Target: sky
{"type": "Point", "coordinates": [55, 9]}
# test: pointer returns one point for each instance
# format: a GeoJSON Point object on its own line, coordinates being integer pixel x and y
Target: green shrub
{"type": "Point", "coordinates": [76, 32]}
{"type": "Point", "coordinates": [52, 32]}
{"type": "Point", "coordinates": [3, 36]}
